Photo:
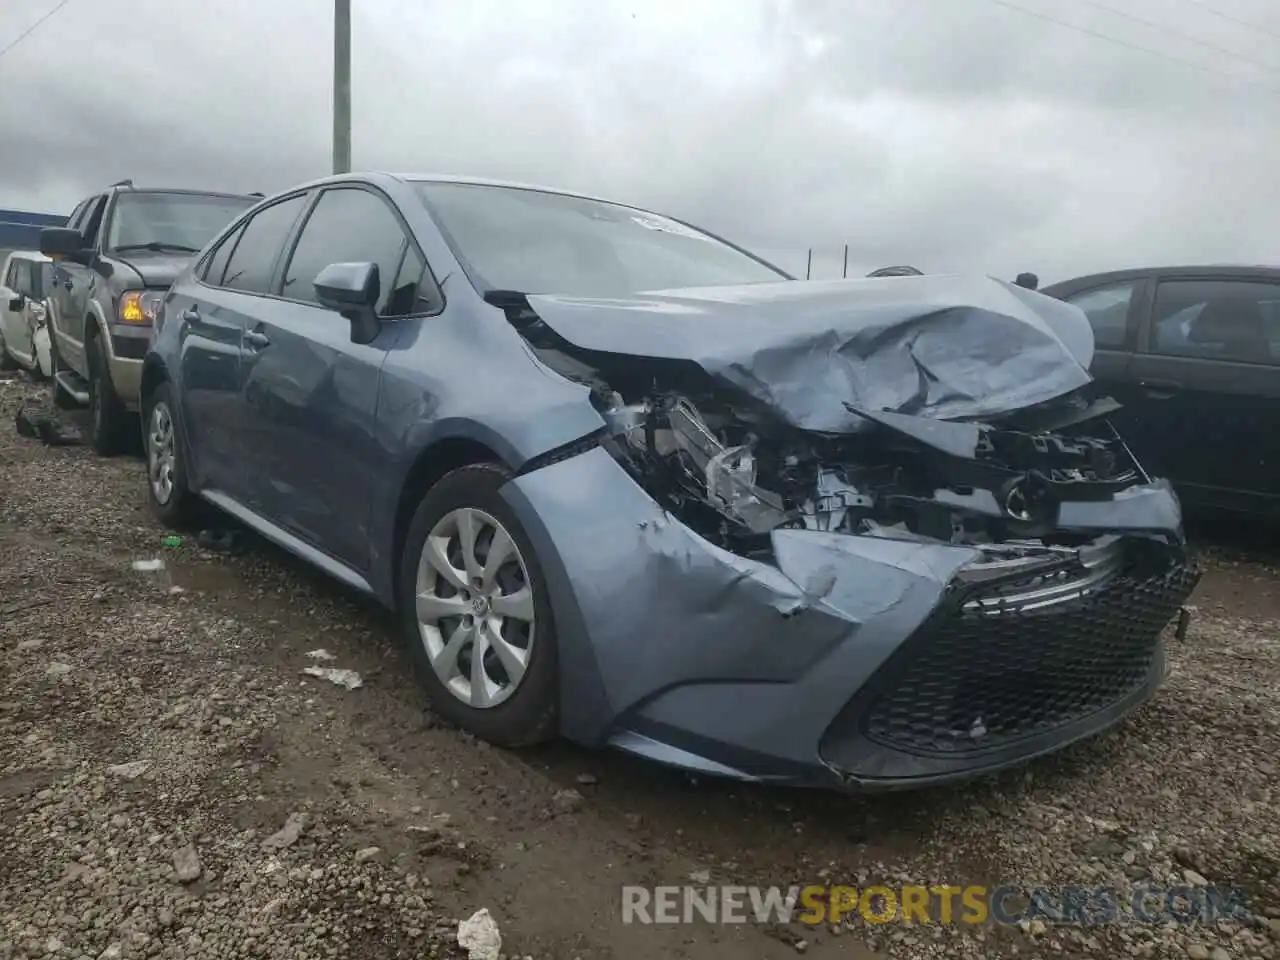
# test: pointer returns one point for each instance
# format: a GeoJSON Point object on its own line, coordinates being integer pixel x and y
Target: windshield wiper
{"type": "Point", "coordinates": [155, 246]}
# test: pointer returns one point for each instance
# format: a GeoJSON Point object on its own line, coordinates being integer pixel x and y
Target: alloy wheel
{"type": "Point", "coordinates": [475, 607]}
{"type": "Point", "coordinates": [160, 453]}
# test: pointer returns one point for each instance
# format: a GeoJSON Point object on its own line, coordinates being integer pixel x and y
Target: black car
{"type": "Point", "coordinates": [1193, 353]}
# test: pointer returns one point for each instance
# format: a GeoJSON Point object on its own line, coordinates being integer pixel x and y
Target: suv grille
{"type": "Point", "coordinates": [979, 676]}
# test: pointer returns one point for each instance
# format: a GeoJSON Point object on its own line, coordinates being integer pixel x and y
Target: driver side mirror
{"type": "Point", "coordinates": [352, 290]}
{"type": "Point", "coordinates": [63, 243]}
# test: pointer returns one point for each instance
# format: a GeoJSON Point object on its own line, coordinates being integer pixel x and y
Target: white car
{"type": "Point", "coordinates": [24, 335]}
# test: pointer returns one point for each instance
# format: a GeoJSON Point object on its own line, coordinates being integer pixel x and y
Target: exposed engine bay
{"type": "Point", "coordinates": [734, 467]}
{"type": "Point", "coordinates": [734, 484]}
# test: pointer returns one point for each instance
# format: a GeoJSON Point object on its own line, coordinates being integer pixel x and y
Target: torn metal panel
{"type": "Point", "coordinates": [644, 604]}
{"type": "Point", "coordinates": [1148, 508]}
{"type": "Point", "coordinates": [936, 346]}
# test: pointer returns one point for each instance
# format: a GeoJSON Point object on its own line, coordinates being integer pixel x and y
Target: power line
{"type": "Point", "coordinates": [1231, 19]}
{"type": "Point", "coordinates": [1178, 33]}
{"type": "Point", "coordinates": [32, 29]}
{"type": "Point", "coordinates": [1098, 35]}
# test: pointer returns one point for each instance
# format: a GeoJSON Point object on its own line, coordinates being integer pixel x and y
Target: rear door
{"type": "Point", "coordinates": [226, 296]}
{"type": "Point", "coordinates": [63, 284]}
{"type": "Point", "coordinates": [313, 392]}
{"type": "Point", "coordinates": [1209, 358]}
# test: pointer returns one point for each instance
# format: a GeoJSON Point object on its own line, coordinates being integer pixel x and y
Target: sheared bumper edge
{"type": "Point", "coordinates": [676, 650]}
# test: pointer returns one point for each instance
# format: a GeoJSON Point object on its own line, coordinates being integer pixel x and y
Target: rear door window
{"type": "Point", "coordinates": [1108, 311]}
{"type": "Point", "coordinates": [1235, 320]}
{"type": "Point", "coordinates": [253, 261]}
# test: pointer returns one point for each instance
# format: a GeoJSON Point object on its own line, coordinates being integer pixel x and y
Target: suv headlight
{"type": "Point", "coordinates": [139, 307]}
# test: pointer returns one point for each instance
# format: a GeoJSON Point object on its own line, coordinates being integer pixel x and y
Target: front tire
{"type": "Point", "coordinates": [108, 418]}
{"type": "Point", "coordinates": [475, 612]}
{"type": "Point", "coordinates": [171, 499]}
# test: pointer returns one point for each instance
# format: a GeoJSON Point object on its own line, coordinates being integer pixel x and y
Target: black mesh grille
{"type": "Point", "coordinates": [973, 681]}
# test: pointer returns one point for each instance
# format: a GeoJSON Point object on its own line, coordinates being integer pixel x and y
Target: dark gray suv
{"type": "Point", "coordinates": [115, 258]}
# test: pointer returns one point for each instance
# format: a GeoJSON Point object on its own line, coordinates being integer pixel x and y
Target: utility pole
{"type": "Point", "coordinates": [844, 271]}
{"type": "Point", "coordinates": [341, 86]}
{"type": "Point", "coordinates": [808, 267]}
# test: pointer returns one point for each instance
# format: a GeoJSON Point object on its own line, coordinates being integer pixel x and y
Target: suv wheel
{"type": "Point", "coordinates": [475, 612]}
{"type": "Point", "coordinates": [171, 499]}
{"type": "Point", "coordinates": [108, 418]}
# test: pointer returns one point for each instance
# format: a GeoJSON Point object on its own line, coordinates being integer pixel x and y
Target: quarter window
{"type": "Point", "coordinates": [253, 260]}
{"type": "Point", "coordinates": [350, 225]}
{"type": "Point", "coordinates": [216, 267]}
{"type": "Point", "coordinates": [1235, 320]}
{"type": "Point", "coordinates": [1108, 311]}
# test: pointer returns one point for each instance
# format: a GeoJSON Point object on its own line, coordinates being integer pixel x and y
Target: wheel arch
{"type": "Point", "coordinates": [432, 463]}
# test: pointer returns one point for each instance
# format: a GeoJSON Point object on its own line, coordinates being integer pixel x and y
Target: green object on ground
{"type": "Point", "coordinates": [172, 541]}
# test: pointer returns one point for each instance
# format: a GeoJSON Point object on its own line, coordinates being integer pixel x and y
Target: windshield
{"type": "Point", "coordinates": [171, 221]}
{"type": "Point", "coordinates": [531, 241]}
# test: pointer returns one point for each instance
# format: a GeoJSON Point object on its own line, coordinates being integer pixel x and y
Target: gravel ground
{"type": "Point", "coordinates": [172, 784]}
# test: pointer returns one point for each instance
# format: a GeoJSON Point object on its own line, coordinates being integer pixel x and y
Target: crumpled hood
{"type": "Point", "coordinates": [155, 269]}
{"type": "Point", "coordinates": [945, 347]}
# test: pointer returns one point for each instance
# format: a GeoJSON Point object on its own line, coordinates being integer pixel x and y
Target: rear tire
{"type": "Point", "coordinates": [108, 418]}
{"type": "Point", "coordinates": [170, 498]}
{"type": "Point", "coordinates": [512, 698]}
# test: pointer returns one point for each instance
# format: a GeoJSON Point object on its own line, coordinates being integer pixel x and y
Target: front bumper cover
{"type": "Point", "coordinates": [675, 649]}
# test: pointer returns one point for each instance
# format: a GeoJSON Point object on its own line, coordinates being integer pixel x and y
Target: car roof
{"type": "Point", "coordinates": [122, 188]}
{"type": "Point", "coordinates": [410, 178]}
{"type": "Point", "coordinates": [35, 255]}
{"type": "Point", "coordinates": [1243, 271]}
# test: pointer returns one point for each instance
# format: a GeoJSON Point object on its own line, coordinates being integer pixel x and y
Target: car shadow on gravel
{"type": "Point", "coordinates": [636, 796]}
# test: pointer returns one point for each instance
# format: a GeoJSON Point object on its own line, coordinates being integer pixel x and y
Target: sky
{"type": "Point", "coordinates": [991, 136]}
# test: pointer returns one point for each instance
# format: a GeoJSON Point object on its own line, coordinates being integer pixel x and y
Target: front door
{"type": "Point", "coordinates": [315, 392]}
{"type": "Point", "coordinates": [72, 284]}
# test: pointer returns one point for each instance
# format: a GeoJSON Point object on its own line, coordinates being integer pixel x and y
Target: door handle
{"type": "Point", "coordinates": [66, 284]}
{"type": "Point", "coordinates": [257, 339]}
{"type": "Point", "coordinates": [1160, 389]}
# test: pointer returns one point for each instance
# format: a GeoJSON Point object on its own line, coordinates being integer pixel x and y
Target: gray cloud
{"type": "Point", "coordinates": [952, 134]}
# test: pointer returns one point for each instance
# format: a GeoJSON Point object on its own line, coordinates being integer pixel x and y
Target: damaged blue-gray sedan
{"type": "Point", "coordinates": [627, 483]}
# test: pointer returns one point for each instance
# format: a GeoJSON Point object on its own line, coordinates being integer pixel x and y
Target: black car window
{"type": "Point", "coordinates": [254, 258]}
{"type": "Point", "coordinates": [11, 276]}
{"type": "Point", "coordinates": [1108, 311]}
{"type": "Point", "coordinates": [347, 225]}
{"type": "Point", "coordinates": [215, 267]}
{"type": "Point", "coordinates": [1218, 320]}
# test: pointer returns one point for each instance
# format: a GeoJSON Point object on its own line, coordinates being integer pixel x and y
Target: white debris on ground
{"type": "Point", "coordinates": [321, 654]}
{"type": "Point", "coordinates": [148, 566]}
{"type": "Point", "coordinates": [479, 936]}
{"type": "Point", "coordinates": [343, 678]}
